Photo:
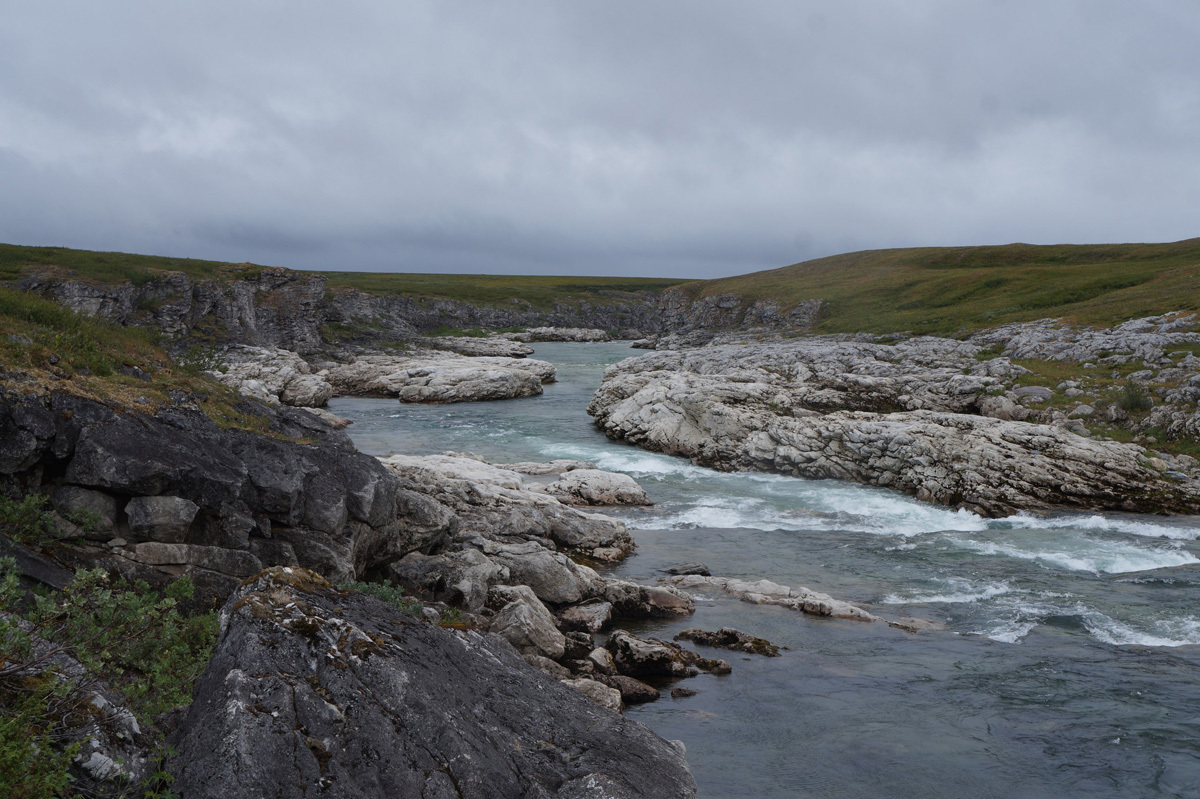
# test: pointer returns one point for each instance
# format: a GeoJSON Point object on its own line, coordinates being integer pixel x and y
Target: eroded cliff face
{"type": "Point", "coordinates": [300, 312]}
{"type": "Point", "coordinates": [680, 313]}
{"type": "Point", "coordinates": [297, 311]}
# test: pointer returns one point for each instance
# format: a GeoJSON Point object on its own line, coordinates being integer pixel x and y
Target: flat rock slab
{"type": "Point", "coordinates": [315, 692]}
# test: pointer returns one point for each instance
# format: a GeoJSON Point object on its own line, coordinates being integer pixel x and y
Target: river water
{"type": "Point", "coordinates": [1070, 665]}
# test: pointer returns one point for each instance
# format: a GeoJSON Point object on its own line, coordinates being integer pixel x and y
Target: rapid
{"type": "Point", "coordinates": [1068, 666]}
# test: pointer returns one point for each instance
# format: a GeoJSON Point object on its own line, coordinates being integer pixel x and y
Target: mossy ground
{"type": "Point", "coordinates": [47, 347]}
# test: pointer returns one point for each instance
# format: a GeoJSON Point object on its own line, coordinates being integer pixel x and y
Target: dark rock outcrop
{"type": "Point", "coordinates": [177, 493]}
{"type": "Point", "coordinates": [315, 691]}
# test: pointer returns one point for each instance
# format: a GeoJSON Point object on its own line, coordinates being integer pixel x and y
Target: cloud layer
{"type": "Point", "coordinates": [695, 138]}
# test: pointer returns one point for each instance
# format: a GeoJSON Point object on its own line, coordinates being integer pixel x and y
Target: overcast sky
{"type": "Point", "coordinates": [692, 138]}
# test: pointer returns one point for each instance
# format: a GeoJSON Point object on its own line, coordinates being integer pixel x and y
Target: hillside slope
{"type": "Point", "coordinates": [949, 289]}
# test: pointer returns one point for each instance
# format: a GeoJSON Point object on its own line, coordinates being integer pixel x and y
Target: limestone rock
{"type": "Point", "coordinates": [597, 692]}
{"type": "Point", "coordinates": [591, 617]}
{"type": "Point", "coordinates": [765, 592]}
{"type": "Point", "coordinates": [559, 334]}
{"type": "Point", "coordinates": [528, 626]}
{"type": "Point", "coordinates": [901, 415]}
{"type": "Point", "coordinates": [441, 377]}
{"type": "Point", "coordinates": [597, 487]}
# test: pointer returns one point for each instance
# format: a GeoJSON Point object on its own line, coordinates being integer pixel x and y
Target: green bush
{"type": "Point", "coordinates": [1133, 398]}
{"type": "Point", "coordinates": [125, 635]}
{"type": "Point", "coordinates": [26, 521]}
{"type": "Point", "coordinates": [388, 592]}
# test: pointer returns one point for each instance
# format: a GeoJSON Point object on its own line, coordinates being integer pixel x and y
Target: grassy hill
{"type": "Point", "coordinates": [924, 290]}
{"type": "Point", "coordinates": [948, 289]}
{"type": "Point", "coordinates": [541, 291]}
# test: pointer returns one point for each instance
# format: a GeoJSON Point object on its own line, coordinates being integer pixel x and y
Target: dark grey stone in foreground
{"type": "Point", "coordinates": [313, 692]}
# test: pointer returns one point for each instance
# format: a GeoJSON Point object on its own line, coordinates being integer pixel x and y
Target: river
{"type": "Point", "coordinates": [1069, 666]}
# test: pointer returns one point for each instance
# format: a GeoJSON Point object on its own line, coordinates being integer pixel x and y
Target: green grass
{"type": "Point", "coordinates": [44, 345]}
{"type": "Point", "coordinates": [542, 292]}
{"type": "Point", "coordinates": [947, 290]}
{"type": "Point", "coordinates": [539, 291]}
{"type": "Point", "coordinates": [109, 267]}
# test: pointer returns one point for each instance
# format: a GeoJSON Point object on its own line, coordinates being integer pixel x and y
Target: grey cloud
{"type": "Point", "coordinates": [698, 138]}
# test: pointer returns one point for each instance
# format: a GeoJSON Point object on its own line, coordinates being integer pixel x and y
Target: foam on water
{"type": "Point", "coordinates": [1080, 552]}
{"type": "Point", "coordinates": [958, 591]}
{"type": "Point", "coordinates": [636, 463]}
{"type": "Point", "coordinates": [1100, 523]}
{"type": "Point", "coordinates": [1183, 631]}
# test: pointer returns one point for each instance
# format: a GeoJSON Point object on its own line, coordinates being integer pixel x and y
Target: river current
{"type": "Point", "coordinates": [1070, 665]}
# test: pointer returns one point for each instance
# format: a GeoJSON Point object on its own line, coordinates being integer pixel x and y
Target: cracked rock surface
{"type": "Point", "coordinates": [915, 415]}
{"type": "Point", "coordinates": [311, 688]}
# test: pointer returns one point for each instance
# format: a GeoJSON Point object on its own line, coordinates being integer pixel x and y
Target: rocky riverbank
{"type": "Point", "coordinates": [484, 547]}
{"type": "Point", "coordinates": [948, 421]}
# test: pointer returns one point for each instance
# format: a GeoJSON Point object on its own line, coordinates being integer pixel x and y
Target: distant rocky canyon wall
{"type": "Point", "coordinates": [282, 308]}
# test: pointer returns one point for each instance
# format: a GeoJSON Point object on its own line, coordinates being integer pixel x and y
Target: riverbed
{"type": "Point", "coordinates": [1068, 666]}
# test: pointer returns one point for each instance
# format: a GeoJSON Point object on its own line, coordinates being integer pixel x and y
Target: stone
{"type": "Point", "coordinates": [547, 666]}
{"type": "Point", "coordinates": [633, 691]}
{"type": "Point", "coordinates": [161, 518]}
{"type": "Point", "coordinates": [636, 657]}
{"type": "Point", "coordinates": [1082, 411]}
{"type": "Point", "coordinates": [559, 334]}
{"type": "Point", "coordinates": [493, 504]}
{"type": "Point", "coordinates": [313, 691]}
{"type": "Point", "coordinates": [441, 377]}
{"type": "Point", "coordinates": [765, 592]}
{"type": "Point", "coordinates": [597, 487]}
{"type": "Point", "coordinates": [602, 661]}
{"type": "Point", "coordinates": [232, 562]}
{"type": "Point", "coordinates": [682, 693]}
{"type": "Point", "coordinates": [461, 578]}
{"type": "Point", "coordinates": [590, 617]}
{"type": "Point", "coordinates": [528, 626]}
{"type": "Point", "coordinates": [98, 508]}
{"type": "Point", "coordinates": [635, 601]}
{"type": "Point", "coordinates": [915, 415]}
{"type": "Point", "coordinates": [1033, 393]}
{"type": "Point", "coordinates": [689, 568]}
{"type": "Point", "coordinates": [578, 645]}
{"type": "Point", "coordinates": [597, 692]}
{"type": "Point", "coordinates": [729, 638]}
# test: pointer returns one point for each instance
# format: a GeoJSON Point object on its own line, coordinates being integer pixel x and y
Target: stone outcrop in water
{"type": "Point", "coordinates": [441, 377]}
{"type": "Point", "coordinates": [904, 415]}
{"type": "Point", "coordinates": [312, 689]}
{"type": "Point", "coordinates": [597, 487]}
{"type": "Point", "coordinates": [559, 334]}
{"type": "Point", "coordinates": [729, 638]}
{"type": "Point", "coordinates": [490, 346]}
{"type": "Point", "coordinates": [765, 592]}
{"type": "Point", "coordinates": [275, 376]}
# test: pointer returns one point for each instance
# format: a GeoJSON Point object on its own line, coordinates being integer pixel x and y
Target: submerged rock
{"type": "Point", "coordinates": [311, 690]}
{"type": "Point", "coordinates": [765, 592]}
{"type": "Point", "coordinates": [559, 334]}
{"type": "Point", "coordinates": [729, 638]}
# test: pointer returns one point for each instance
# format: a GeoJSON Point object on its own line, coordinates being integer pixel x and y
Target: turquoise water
{"type": "Point", "coordinates": [1068, 667]}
